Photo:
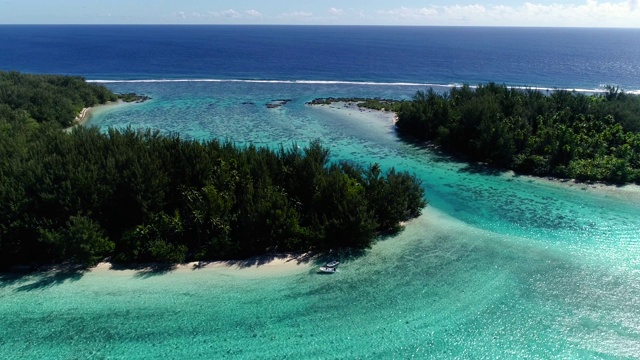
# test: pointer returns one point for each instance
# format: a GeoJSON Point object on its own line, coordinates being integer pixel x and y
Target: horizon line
{"type": "Point", "coordinates": [326, 25]}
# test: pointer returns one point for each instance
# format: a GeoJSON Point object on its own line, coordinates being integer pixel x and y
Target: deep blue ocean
{"type": "Point", "coordinates": [497, 265]}
{"type": "Point", "coordinates": [573, 58]}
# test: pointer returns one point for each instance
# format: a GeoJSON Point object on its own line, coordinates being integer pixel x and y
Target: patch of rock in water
{"type": "Point", "coordinates": [133, 97]}
{"type": "Point", "coordinates": [273, 104]}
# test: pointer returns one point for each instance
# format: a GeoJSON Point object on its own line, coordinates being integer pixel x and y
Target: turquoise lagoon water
{"type": "Point", "coordinates": [497, 265]}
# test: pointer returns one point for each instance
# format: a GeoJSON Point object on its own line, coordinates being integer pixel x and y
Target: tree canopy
{"type": "Point", "coordinates": [562, 134]}
{"type": "Point", "coordinates": [49, 98]}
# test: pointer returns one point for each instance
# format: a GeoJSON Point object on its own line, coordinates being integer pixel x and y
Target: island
{"type": "Point", "coordinates": [367, 103]}
{"type": "Point", "coordinates": [138, 196]}
{"type": "Point", "coordinates": [559, 134]}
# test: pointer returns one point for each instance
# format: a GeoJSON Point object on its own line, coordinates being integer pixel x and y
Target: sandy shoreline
{"type": "Point", "coordinates": [254, 267]}
{"type": "Point", "coordinates": [352, 108]}
{"type": "Point", "coordinates": [263, 265]}
{"type": "Point", "coordinates": [82, 117]}
{"type": "Point", "coordinates": [629, 192]}
{"type": "Point", "coordinates": [370, 119]}
{"type": "Point", "coordinates": [87, 112]}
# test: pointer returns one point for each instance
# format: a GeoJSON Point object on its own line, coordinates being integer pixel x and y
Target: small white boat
{"type": "Point", "coordinates": [332, 263]}
{"type": "Point", "coordinates": [327, 269]}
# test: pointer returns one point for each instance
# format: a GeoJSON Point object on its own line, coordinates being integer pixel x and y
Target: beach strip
{"type": "Point", "coordinates": [86, 113]}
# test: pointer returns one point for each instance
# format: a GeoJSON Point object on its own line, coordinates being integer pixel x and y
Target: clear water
{"type": "Point", "coordinates": [497, 265]}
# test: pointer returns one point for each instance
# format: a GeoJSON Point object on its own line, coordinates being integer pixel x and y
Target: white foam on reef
{"type": "Point", "coordinates": [600, 89]}
{"type": "Point", "coordinates": [259, 81]}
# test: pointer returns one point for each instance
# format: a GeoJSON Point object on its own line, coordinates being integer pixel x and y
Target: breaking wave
{"type": "Point", "coordinates": [600, 89]}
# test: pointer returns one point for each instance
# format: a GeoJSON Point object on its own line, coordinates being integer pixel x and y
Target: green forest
{"type": "Point", "coordinates": [139, 196]}
{"type": "Point", "coordinates": [561, 134]}
{"type": "Point", "coordinates": [48, 98]}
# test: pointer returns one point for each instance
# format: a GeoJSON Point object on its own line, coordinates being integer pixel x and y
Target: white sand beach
{"type": "Point", "coordinates": [352, 109]}
{"type": "Point", "coordinates": [267, 265]}
{"type": "Point", "coordinates": [87, 113]}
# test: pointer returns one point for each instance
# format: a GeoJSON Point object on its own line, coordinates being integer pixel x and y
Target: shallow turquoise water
{"type": "Point", "coordinates": [497, 266]}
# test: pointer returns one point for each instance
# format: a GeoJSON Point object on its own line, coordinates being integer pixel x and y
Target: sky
{"type": "Point", "coordinates": [556, 13]}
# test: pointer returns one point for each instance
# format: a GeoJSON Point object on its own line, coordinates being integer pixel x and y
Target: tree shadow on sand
{"type": "Point", "coordinates": [154, 271]}
{"type": "Point", "coordinates": [256, 261]}
{"type": "Point", "coordinates": [58, 275]}
{"type": "Point", "coordinates": [313, 258]}
{"type": "Point", "coordinates": [143, 271]}
{"type": "Point", "coordinates": [481, 169]}
{"type": "Point", "coordinates": [43, 279]}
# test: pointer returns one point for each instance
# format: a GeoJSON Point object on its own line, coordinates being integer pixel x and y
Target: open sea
{"type": "Point", "coordinates": [498, 266]}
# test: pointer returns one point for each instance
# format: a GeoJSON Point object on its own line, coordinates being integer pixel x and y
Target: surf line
{"type": "Point", "coordinates": [349, 82]}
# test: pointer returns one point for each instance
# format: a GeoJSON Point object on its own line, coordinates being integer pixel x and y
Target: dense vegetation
{"type": "Point", "coordinates": [561, 134]}
{"type": "Point", "coordinates": [48, 98]}
{"type": "Point", "coordinates": [141, 197]}
{"type": "Point", "coordinates": [367, 103]}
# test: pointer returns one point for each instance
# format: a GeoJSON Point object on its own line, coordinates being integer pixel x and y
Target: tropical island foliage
{"type": "Point", "coordinates": [48, 98]}
{"type": "Point", "coordinates": [367, 103]}
{"type": "Point", "coordinates": [139, 196]}
{"type": "Point", "coordinates": [561, 134]}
